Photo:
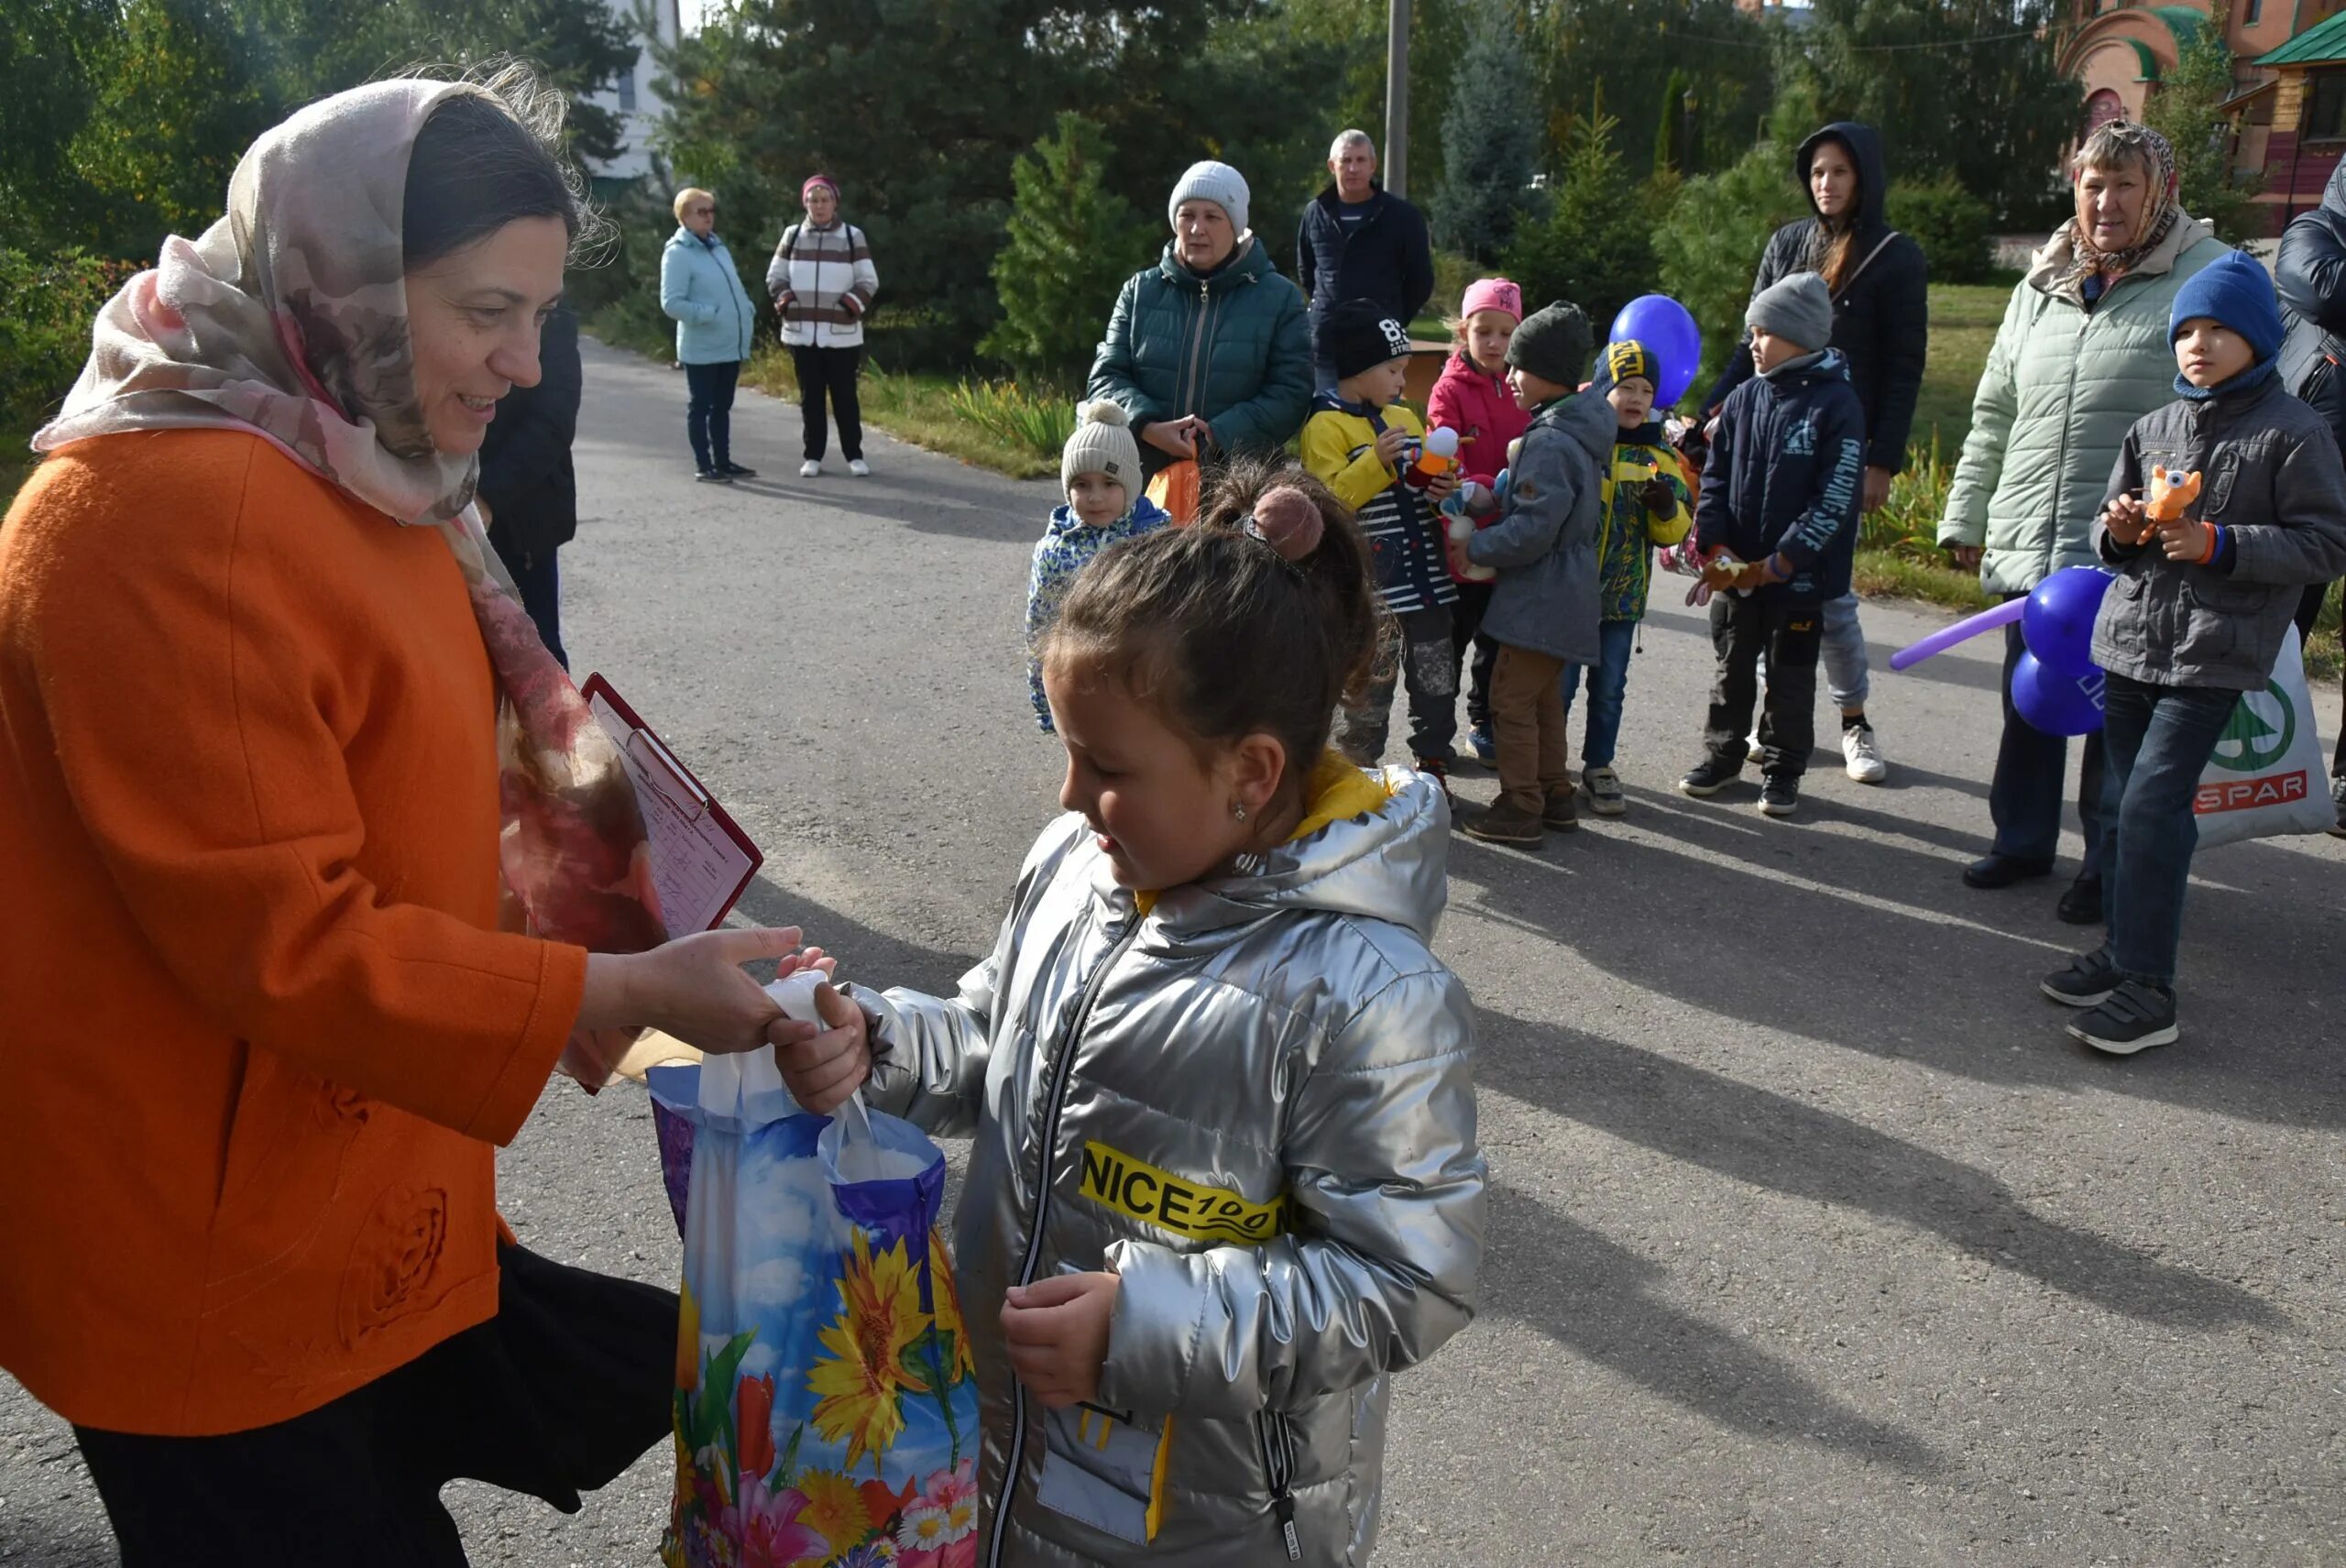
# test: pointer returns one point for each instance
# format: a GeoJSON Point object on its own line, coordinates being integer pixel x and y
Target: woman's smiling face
{"type": "Point", "coordinates": [473, 319]}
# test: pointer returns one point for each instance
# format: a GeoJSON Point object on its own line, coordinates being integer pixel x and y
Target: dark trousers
{"type": "Point", "coordinates": [709, 416]}
{"type": "Point", "coordinates": [564, 1388]}
{"type": "Point", "coordinates": [2309, 611]}
{"type": "Point", "coordinates": [1416, 652]}
{"type": "Point", "coordinates": [1790, 632]}
{"type": "Point", "coordinates": [1478, 652]}
{"type": "Point", "coordinates": [2159, 740]}
{"type": "Point", "coordinates": [2025, 796]}
{"type": "Point", "coordinates": [538, 581]}
{"type": "Point", "coordinates": [830, 372]}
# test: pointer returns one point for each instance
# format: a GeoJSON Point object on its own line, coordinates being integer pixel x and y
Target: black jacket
{"type": "Point", "coordinates": [525, 471]}
{"type": "Point", "coordinates": [1786, 473]}
{"type": "Point", "coordinates": [1388, 259]}
{"type": "Point", "coordinates": [2310, 274]}
{"type": "Point", "coordinates": [1880, 316]}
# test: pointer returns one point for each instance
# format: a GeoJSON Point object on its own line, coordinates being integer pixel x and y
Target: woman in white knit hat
{"type": "Point", "coordinates": [1208, 351]}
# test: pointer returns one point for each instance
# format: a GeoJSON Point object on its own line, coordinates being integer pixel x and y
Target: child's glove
{"type": "Point", "coordinates": [1656, 495]}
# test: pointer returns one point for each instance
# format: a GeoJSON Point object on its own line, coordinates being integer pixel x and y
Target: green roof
{"type": "Point", "coordinates": [2314, 46]}
{"type": "Point", "coordinates": [2183, 21]}
{"type": "Point", "coordinates": [2150, 62]}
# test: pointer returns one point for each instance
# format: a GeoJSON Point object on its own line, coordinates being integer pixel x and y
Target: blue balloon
{"type": "Point", "coordinates": [2058, 705]}
{"type": "Point", "coordinates": [1669, 333]}
{"type": "Point", "coordinates": [2057, 621]}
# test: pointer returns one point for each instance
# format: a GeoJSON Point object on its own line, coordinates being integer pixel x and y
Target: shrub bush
{"type": "Point", "coordinates": [46, 308]}
{"type": "Point", "coordinates": [1072, 244]}
{"type": "Point", "coordinates": [1708, 245]}
{"type": "Point", "coordinates": [1951, 226]}
{"type": "Point", "coordinates": [1035, 423]}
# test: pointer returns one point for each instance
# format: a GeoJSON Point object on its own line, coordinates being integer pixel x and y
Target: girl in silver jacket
{"type": "Point", "coordinates": [1225, 1179]}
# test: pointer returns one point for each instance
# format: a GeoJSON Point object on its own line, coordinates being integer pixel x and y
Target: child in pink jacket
{"type": "Point", "coordinates": [1472, 398]}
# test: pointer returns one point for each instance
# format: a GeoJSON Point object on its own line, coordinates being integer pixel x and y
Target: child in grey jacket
{"type": "Point", "coordinates": [1543, 607]}
{"type": "Point", "coordinates": [2196, 618]}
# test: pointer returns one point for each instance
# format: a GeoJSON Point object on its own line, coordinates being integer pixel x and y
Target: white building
{"type": "Point", "coordinates": [635, 99]}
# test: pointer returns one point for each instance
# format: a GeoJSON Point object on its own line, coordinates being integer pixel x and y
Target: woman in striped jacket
{"type": "Point", "coordinates": [822, 282]}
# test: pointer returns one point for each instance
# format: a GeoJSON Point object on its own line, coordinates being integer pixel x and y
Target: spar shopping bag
{"type": "Point", "coordinates": [824, 1409]}
{"type": "Point", "coordinates": [2267, 777]}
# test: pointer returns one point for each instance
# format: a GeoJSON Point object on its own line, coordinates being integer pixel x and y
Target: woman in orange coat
{"type": "Point", "coordinates": [308, 841]}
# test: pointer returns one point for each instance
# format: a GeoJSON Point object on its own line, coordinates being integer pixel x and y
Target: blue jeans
{"type": "Point", "coordinates": [2157, 740]}
{"type": "Point", "coordinates": [2025, 795]}
{"type": "Point", "coordinates": [1607, 680]}
{"type": "Point", "coordinates": [708, 412]}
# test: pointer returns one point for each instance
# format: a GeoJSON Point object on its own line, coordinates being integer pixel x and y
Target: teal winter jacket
{"type": "Point", "coordinates": [700, 289]}
{"type": "Point", "coordinates": [1232, 346]}
{"type": "Point", "coordinates": [2062, 387]}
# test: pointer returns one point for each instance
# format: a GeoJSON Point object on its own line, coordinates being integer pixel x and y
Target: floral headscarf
{"type": "Point", "coordinates": [2115, 140]}
{"type": "Point", "coordinates": [289, 319]}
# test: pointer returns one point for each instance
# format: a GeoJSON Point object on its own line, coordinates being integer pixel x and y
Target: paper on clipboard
{"type": "Point", "coordinates": [701, 860]}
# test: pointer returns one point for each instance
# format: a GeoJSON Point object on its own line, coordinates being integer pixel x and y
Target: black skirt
{"type": "Point", "coordinates": [561, 1391]}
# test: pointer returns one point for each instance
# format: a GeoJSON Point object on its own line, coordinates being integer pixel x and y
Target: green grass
{"type": "Point", "coordinates": [1964, 318]}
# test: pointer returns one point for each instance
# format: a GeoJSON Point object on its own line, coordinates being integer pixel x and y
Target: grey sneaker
{"type": "Point", "coordinates": [2087, 982]}
{"type": "Point", "coordinates": [2136, 1018]}
{"type": "Point", "coordinates": [1604, 792]}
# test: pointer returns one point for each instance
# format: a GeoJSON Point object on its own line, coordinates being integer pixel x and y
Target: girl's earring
{"type": "Point", "coordinates": [1238, 809]}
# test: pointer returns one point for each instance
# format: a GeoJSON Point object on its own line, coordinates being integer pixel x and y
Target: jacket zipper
{"type": "Point", "coordinates": [1193, 378]}
{"type": "Point", "coordinates": [1278, 1471]}
{"type": "Point", "coordinates": [1054, 1103]}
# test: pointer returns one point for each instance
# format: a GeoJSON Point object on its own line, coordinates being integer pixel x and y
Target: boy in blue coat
{"type": "Point", "coordinates": [1778, 519]}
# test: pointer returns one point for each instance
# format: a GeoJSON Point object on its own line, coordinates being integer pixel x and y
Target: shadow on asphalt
{"type": "Point", "coordinates": [1598, 1298]}
{"type": "Point", "coordinates": [870, 950]}
{"type": "Point", "coordinates": [1970, 673]}
{"type": "Point", "coordinates": [1767, 912]}
{"type": "Point", "coordinates": [1765, 1139]}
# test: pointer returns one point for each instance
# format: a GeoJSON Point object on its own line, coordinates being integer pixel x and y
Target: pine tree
{"type": "Point", "coordinates": [1670, 147]}
{"type": "Point", "coordinates": [1595, 247]}
{"type": "Point", "coordinates": [1069, 246]}
{"type": "Point", "coordinates": [2183, 108]}
{"type": "Point", "coordinates": [1491, 136]}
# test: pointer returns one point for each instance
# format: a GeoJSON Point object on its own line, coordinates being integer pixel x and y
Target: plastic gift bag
{"type": "Point", "coordinates": [1174, 491]}
{"type": "Point", "coordinates": [2267, 777]}
{"type": "Point", "coordinates": [826, 1410]}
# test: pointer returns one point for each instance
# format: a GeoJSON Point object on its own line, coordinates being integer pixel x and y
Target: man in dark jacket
{"type": "Point", "coordinates": [527, 488]}
{"type": "Point", "coordinates": [1358, 241]}
{"type": "Point", "coordinates": [1881, 327]}
{"type": "Point", "coordinates": [2310, 273]}
{"type": "Point", "coordinates": [1779, 497]}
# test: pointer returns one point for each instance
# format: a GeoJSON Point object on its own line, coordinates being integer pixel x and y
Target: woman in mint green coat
{"type": "Point", "coordinates": [700, 289]}
{"type": "Point", "coordinates": [2082, 354]}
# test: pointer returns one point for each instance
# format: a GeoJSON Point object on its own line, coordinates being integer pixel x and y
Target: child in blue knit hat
{"type": "Point", "coordinates": [2196, 618]}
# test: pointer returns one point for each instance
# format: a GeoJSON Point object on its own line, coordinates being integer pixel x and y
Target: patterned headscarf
{"type": "Point", "coordinates": [2117, 142]}
{"type": "Point", "coordinates": [289, 319]}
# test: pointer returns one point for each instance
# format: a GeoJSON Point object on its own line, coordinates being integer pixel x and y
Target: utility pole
{"type": "Point", "coordinates": [1396, 97]}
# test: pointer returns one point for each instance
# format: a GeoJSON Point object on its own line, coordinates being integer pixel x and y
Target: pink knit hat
{"type": "Point", "coordinates": [832, 185]}
{"type": "Point", "coordinates": [1491, 294]}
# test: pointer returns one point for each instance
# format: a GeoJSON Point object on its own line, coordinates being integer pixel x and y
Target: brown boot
{"type": "Point", "coordinates": [1562, 810]}
{"type": "Point", "coordinates": [1505, 824]}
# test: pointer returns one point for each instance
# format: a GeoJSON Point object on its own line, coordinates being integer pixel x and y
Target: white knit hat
{"type": "Point", "coordinates": [1103, 444]}
{"type": "Point", "coordinates": [1215, 183]}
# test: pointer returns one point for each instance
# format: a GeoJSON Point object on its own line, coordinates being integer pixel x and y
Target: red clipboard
{"type": "Point", "coordinates": [701, 860]}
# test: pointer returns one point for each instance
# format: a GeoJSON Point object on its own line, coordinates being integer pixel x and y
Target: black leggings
{"type": "Point", "coordinates": [829, 371]}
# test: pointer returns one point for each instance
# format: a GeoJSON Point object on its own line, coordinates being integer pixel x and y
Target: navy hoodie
{"type": "Point", "coordinates": [1785, 475]}
{"type": "Point", "coordinates": [1880, 316]}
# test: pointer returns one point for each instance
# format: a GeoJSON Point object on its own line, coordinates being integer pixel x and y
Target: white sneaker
{"type": "Point", "coordinates": [1864, 753]}
{"type": "Point", "coordinates": [859, 469]}
{"type": "Point", "coordinates": [1753, 749]}
{"type": "Point", "coordinates": [810, 470]}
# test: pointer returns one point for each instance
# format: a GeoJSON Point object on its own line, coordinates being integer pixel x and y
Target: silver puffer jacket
{"type": "Point", "coordinates": [1254, 1104]}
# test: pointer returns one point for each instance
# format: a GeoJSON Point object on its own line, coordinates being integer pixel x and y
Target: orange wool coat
{"type": "Point", "coordinates": [259, 1034]}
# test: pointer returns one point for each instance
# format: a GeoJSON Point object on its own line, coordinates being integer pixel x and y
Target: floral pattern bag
{"type": "Point", "coordinates": [825, 1411]}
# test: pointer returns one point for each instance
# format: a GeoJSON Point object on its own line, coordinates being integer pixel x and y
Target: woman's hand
{"type": "Point", "coordinates": [1057, 1330]}
{"type": "Point", "coordinates": [822, 1066]}
{"type": "Point", "coordinates": [1178, 436]}
{"type": "Point", "coordinates": [1967, 556]}
{"type": "Point", "coordinates": [693, 988]}
{"type": "Point", "coordinates": [1876, 489]}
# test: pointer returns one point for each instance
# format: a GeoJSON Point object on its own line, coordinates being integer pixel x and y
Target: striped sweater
{"type": "Point", "coordinates": [1339, 449]}
{"type": "Point", "coordinates": [822, 281]}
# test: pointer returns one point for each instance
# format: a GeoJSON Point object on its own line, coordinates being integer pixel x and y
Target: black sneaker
{"type": "Point", "coordinates": [1709, 776]}
{"type": "Point", "coordinates": [1780, 796]}
{"type": "Point", "coordinates": [2136, 1018]}
{"type": "Point", "coordinates": [733, 470]}
{"type": "Point", "coordinates": [2081, 904]}
{"type": "Point", "coordinates": [712, 476]}
{"type": "Point", "coordinates": [1437, 770]}
{"type": "Point", "coordinates": [2087, 982]}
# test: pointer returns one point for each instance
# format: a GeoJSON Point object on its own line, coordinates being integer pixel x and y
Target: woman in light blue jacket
{"type": "Point", "coordinates": [701, 288]}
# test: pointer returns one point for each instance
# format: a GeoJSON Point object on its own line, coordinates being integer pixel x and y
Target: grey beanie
{"type": "Point", "coordinates": [1103, 444]}
{"type": "Point", "coordinates": [1215, 183]}
{"type": "Point", "coordinates": [1798, 309]}
{"type": "Point", "coordinates": [1553, 342]}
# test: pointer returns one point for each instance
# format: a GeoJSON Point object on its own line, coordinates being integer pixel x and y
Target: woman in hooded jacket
{"type": "Point", "coordinates": [2082, 354]}
{"type": "Point", "coordinates": [1881, 326]}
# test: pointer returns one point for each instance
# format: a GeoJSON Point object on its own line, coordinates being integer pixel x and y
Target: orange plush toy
{"type": "Point", "coordinates": [2170, 493]}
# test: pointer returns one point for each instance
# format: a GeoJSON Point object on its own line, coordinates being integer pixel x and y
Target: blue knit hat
{"type": "Point", "coordinates": [2235, 290]}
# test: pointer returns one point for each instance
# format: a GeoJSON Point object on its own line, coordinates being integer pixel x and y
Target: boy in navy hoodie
{"type": "Point", "coordinates": [1777, 519]}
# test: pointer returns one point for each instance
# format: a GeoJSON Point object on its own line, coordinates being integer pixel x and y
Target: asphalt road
{"type": "Point", "coordinates": [1813, 1240]}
